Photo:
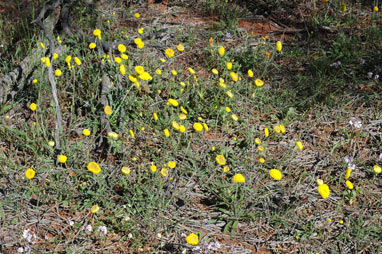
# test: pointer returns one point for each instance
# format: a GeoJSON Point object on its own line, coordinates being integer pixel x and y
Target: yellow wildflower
{"type": "Point", "coordinates": [323, 190]}
{"type": "Point", "coordinates": [180, 47]}
{"type": "Point", "coordinates": [377, 169]}
{"type": "Point", "coordinates": [117, 59]}
{"type": "Point", "coordinates": [132, 78]}
{"type": "Point", "coordinates": [173, 102]}
{"type": "Point", "coordinates": [261, 160]}
{"type": "Point", "coordinates": [182, 128]}
{"type": "Point", "coordinates": [121, 48]}
{"type": "Point", "coordinates": [205, 126]}
{"type": "Point", "coordinates": [140, 30]}
{"type": "Point", "coordinates": [35, 81]}
{"type": "Point", "coordinates": [30, 173]}
{"type": "Point", "coordinates": [139, 69]}
{"type": "Point", "coordinates": [192, 239]}
{"type": "Point", "coordinates": [158, 71]}
{"type": "Point", "coordinates": [42, 45]}
{"type": "Point", "coordinates": [47, 61]}
{"type": "Point", "coordinates": [62, 158]}
{"type": "Point", "coordinates": [58, 73]}
{"type": "Point", "coordinates": [259, 82]}
{"type": "Point", "coordinates": [258, 141]}
{"type": "Point", "coordinates": [164, 171]}
{"type": "Point", "coordinates": [137, 15]}
{"type": "Point", "coordinates": [191, 70]}
{"type": "Point", "coordinates": [51, 143]}
{"type": "Point", "coordinates": [198, 126]}
{"type": "Point", "coordinates": [94, 167]}
{"type": "Point", "coordinates": [234, 76]}
{"type": "Point", "coordinates": [221, 51]}
{"type": "Point", "coordinates": [261, 148]}
{"type": "Point", "coordinates": [131, 133]}
{"type": "Point", "coordinates": [275, 174]}
{"type": "Point", "coordinates": [92, 45]}
{"type": "Point", "coordinates": [220, 159]}
{"type": "Point", "coordinates": [94, 209]}
{"type": "Point", "coordinates": [153, 168]}
{"type": "Point", "coordinates": [169, 52]}
{"type": "Point", "coordinates": [238, 178]}
{"type": "Point", "coordinates": [226, 169]}
{"type": "Point", "coordinates": [348, 172]}
{"type": "Point", "coordinates": [229, 93]}
{"type": "Point", "coordinates": [155, 116]}
{"type": "Point", "coordinates": [173, 72]}
{"type": "Point", "coordinates": [55, 56]}
{"type": "Point", "coordinates": [299, 145]}
{"type": "Point", "coordinates": [113, 135]}
{"type": "Point", "coordinates": [276, 128]}
{"type": "Point", "coordinates": [97, 33]}
{"type": "Point", "coordinates": [77, 60]}
{"type": "Point", "coordinates": [124, 56]}
{"type": "Point", "coordinates": [279, 46]}
{"type": "Point", "coordinates": [235, 117]}
{"type": "Point", "coordinates": [282, 128]}
{"type": "Point", "coordinates": [33, 106]}
{"type": "Point", "coordinates": [171, 164]}
{"type": "Point", "coordinates": [108, 110]}
{"type": "Point", "coordinates": [266, 132]}
{"type": "Point", "coordinates": [375, 9]}
{"type": "Point", "coordinates": [86, 132]}
{"type": "Point", "coordinates": [166, 132]}
{"type": "Point", "coordinates": [183, 110]}
{"type": "Point", "coordinates": [349, 185]}
{"type": "Point", "coordinates": [125, 170]}
{"type": "Point", "coordinates": [250, 73]}
{"type": "Point", "coordinates": [229, 65]}
{"type": "Point", "coordinates": [175, 125]}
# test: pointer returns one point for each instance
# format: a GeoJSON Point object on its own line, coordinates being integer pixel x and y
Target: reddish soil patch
{"type": "Point", "coordinates": [261, 28]}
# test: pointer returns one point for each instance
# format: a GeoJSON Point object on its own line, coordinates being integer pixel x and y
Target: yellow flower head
{"type": "Point", "coordinates": [153, 168]}
{"type": "Point", "coordinates": [158, 72]}
{"type": "Point", "coordinates": [169, 52]}
{"type": "Point", "coordinates": [266, 132]}
{"type": "Point", "coordinates": [220, 159]}
{"type": "Point", "coordinates": [33, 106]}
{"type": "Point", "coordinates": [97, 33]}
{"type": "Point", "coordinates": [375, 8]}
{"type": "Point", "coordinates": [229, 65]}
{"type": "Point", "coordinates": [171, 164]}
{"type": "Point", "coordinates": [192, 71]}
{"type": "Point", "coordinates": [205, 126]}
{"type": "Point", "coordinates": [140, 30]}
{"type": "Point", "coordinates": [125, 170]}
{"type": "Point", "coordinates": [175, 125]}
{"type": "Point", "coordinates": [234, 76]}
{"type": "Point", "coordinates": [323, 190]}
{"type": "Point", "coordinates": [235, 117]}
{"type": "Point", "coordinates": [258, 141]}
{"type": "Point", "coordinates": [55, 56]}
{"type": "Point", "coordinates": [138, 41]}
{"type": "Point", "coordinates": [183, 110]}
{"type": "Point", "coordinates": [214, 71]}
{"type": "Point", "coordinates": [124, 56]}
{"type": "Point", "coordinates": [42, 45]}
{"type": "Point", "coordinates": [145, 76]}
{"type": "Point", "coordinates": [94, 209]}
{"type": "Point", "coordinates": [108, 110]}
{"type": "Point", "coordinates": [349, 185]}
{"type": "Point", "coordinates": [137, 15]}
{"type": "Point", "coordinates": [51, 143]}
{"type": "Point", "coordinates": [173, 102]}
{"type": "Point", "coordinates": [131, 134]}
{"type": "Point", "coordinates": [192, 239]}
{"type": "Point", "coordinates": [117, 59]}
{"type": "Point", "coordinates": [166, 132]}
{"type": "Point", "coordinates": [276, 128]}
{"type": "Point", "coordinates": [282, 128]}
{"type": "Point", "coordinates": [180, 47]}
{"type": "Point", "coordinates": [261, 160]}
{"type": "Point", "coordinates": [250, 73]}
{"type": "Point", "coordinates": [348, 172]}
{"type": "Point", "coordinates": [259, 82]}
{"type": "Point", "coordinates": [30, 173]}
{"type": "Point", "coordinates": [155, 116]}
{"type": "Point", "coordinates": [221, 51]}
{"type": "Point", "coordinates": [35, 81]}
{"type": "Point", "coordinates": [198, 126]}
{"type": "Point", "coordinates": [132, 78]}
{"type": "Point", "coordinates": [164, 171]}
{"type": "Point", "coordinates": [377, 169]}
{"type": "Point", "coordinates": [122, 48]}
{"type": "Point", "coordinates": [86, 132]}
{"type": "Point", "coordinates": [139, 69]}
{"type": "Point", "coordinates": [173, 72]}
{"type": "Point", "coordinates": [238, 178]}
{"type": "Point", "coordinates": [275, 174]}
{"type": "Point", "coordinates": [299, 145]}
{"type": "Point", "coordinates": [58, 73]}
{"type": "Point", "coordinates": [92, 45]}
{"type": "Point", "coordinates": [62, 158]}
{"type": "Point", "coordinates": [94, 167]}
{"type": "Point", "coordinates": [279, 46]}
{"type": "Point", "coordinates": [113, 135]}
{"type": "Point", "coordinates": [77, 60]}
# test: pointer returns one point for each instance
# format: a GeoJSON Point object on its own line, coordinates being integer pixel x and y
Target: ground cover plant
{"type": "Point", "coordinates": [190, 126]}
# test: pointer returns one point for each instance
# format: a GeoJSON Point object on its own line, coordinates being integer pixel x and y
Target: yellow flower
{"type": "Point", "coordinates": [139, 69]}
{"type": "Point", "coordinates": [261, 160]}
{"type": "Point", "coordinates": [234, 76]}
{"type": "Point", "coordinates": [227, 109]}
{"type": "Point", "coordinates": [180, 47]}
{"type": "Point", "coordinates": [124, 56]}
{"type": "Point", "coordinates": [261, 148]}
{"type": "Point", "coordinates": [221, 160]}
{"type": "Point", "coordinates": [94, 167]}
{"type": "Point", "coordinates": [33, 106]}
{"type": "Point", "coordinates": [250, 73]}
{"type": "Point", "coordinates": [279, 46]}
{"type": "Point", "coordinates": [299, 145]}
{"type": "Point", "coordinates": [153, 168]}
{"type": "Point", "coordinates": [117, 59]}
{"type": "Point", "coordinates": [341, 222]}
{"type": "Point", "coordinates": [377, 169]}
{"type": "Point", "coordinates": [86, 132]}
{"type": "Point", "coordinates": [229, 65]}
{"type": "Point", "coordinates": [192, 239]}
{"type": "Point", "coordinates": [169, 52]}
{"type": "Point", "coordinates": [126, 170]}
{"type": "Point", "coordinates": [131, 134]}
{"type": "Point", "coordinates": [349, 185]}
{"type": "Point", "coordinates": [221, 51]}
{"type": "Point", "coordinates": [164, 171]}
{"type": "Point", "coordinates": [140, 30]}
{"type": "Point", "coordinates": [173, 72]}
{"type": "Point", "coordinates": [58, 73]}
{"type": "Point", "coordinates": [108, 110]}
{"type": "Point", "coordinates": [229, 93]}
{"type": "Point", "coordinates": [171, 164]}
{"type": "Point", "coordinates": [166, 132]}
{"type": "Point", "coordinates": [320, 181]}
{"type": "Point", "coordinates": [121, 48]}
{"type": "Point", "coordinates": [173, 102]}
{"type": "Point", "coordinates": [191, 70]}
{"type": "Point", "coordinates": [275, 174]}
{"type": "Point", "coordinates": [183, 110]}
{"type": "Point", "coordinates": [324, 190]}
{"type": "Point", "coordinates": [282, 128]}
{"type": "Point", "coordinates": [259, 82]}
{"type": "Point", "coordinates": [198, 126]}
{"type": "Point", "coordinates": [97, 33]}
{"type": "Point", "coordinates": [348, 172]}
{"type": "Point", "coordinates": [92, 45]}
{"type": "Point", "coordinates": [155, 116]}
{"type": "Point", "coordinates": [376, 9]}
{"type": "Point", "coordinates": [62, 158]}
{"type": "Point", "coordinates": [205, 126]}
{"type": "Point", "coordinates": [344, 7]}
{"type": "Point", "coordinates": [77, 60]}
{"type": "Point", "coordinates": [234, 117]}
{"type": "Point", "coordinates": [94, 209]}
{"type": "Point", "coordinates": [158, 71]}
{"type": "Point", "coordinates": [266, 132]}
{"type": "Point", "coordinates": [137, 15]}
{"type": "Point", "coordinates": [113, 135]}
{"type": "Point", "coordinates": [175, 125]}
{"type": "Point", "coordinates": [276, 128]}
{"type": "Point", "coordinates": [238, 178]}
{"type": "Point", "coordinates": [47, 61]}
{"type": "Point", "coordinates": [214, 71]}
{"type": "Point", "coordinates": [55, 56]}
{"type": "Point", "coordinates": [132, 78]}
{"type": "Point", "coordinates": [51, 143]}
{"type": "Point", "coordinates": [42, 45]}
{"type": "Point", "coordinates": [258, 141]}
{"type": "Point", "coordinates": [138, 41]}
{"type": "Point", "coordinates": [35, 81]}
{"type": "Point", "coordinates": [145, 76]}
{"type": "Point", "coordinates": [182, 128]}
{"type": "Point", "coordinates": [30, 173]}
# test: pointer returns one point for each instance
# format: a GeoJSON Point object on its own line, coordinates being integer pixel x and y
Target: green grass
{"type": "Point", "coordinates": [146, 211]}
